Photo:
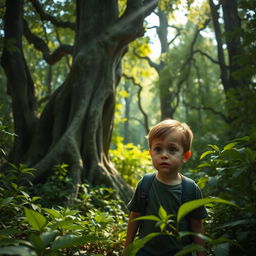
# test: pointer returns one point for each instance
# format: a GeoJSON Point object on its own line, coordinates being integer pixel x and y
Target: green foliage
{"type": "Point", "coordinates": [131, 161]}
{"type": "Point", "coordinates": [170, 226]}
{"type": "Point", "coordinates": [230, 172]}
{"type": "Point", "coordinates": [57, 187]}
{"type": "Point", "coordinates": [5, 138]}
{"type": "Point", "coordinates": [240, 105]}
{"type": "Point", "coordinates": [94, 225]}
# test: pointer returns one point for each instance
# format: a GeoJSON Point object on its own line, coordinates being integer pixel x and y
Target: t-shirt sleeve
{"type": "Point", "coordinates": [134, 204]}
{"type": "Point", "coordinates": [200, 212]}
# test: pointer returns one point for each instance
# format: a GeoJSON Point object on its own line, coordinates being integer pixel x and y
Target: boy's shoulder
{"type": "Point", "coordinates": [188, 187]}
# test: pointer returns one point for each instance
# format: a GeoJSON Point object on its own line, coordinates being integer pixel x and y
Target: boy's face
{"type": "Point", "coordinates": [167, 153]}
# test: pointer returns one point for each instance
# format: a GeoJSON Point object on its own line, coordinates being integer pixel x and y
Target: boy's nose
{"type": "Point", "coordinates": [164, 155]}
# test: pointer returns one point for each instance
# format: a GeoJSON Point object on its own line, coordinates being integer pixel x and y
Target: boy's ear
{"type": "Point", "coordinates": [187, 155]}
{"type": "Point", "coordinates": [150, 152]}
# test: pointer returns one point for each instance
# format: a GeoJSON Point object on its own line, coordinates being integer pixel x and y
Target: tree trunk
{"type": "Point", "coordinates": [76, 124]}
{"type": "Point", "coordinates": [165, 90]}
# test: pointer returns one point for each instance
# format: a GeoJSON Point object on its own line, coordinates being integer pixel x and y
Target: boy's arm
{"type": "Point", "coordinates": [132, 228]}
{"type": "Point", "coordinates": [198, 227]}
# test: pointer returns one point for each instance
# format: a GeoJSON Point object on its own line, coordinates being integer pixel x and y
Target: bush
{"type": "Point", "coordinates": [94, 225]}
{"type": "Point", "coordinates": [131, 162]}
{"type": "Point", "coordinates": [230, 173]}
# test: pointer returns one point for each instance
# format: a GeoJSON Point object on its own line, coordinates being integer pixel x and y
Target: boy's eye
{"type": "Point", "coordinates": [172, 149]}
{"type": "Point", "coordinates": [157, 149]}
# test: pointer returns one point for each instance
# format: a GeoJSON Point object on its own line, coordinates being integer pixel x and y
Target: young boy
{"type": "Point", "coordinates": [169, 146]}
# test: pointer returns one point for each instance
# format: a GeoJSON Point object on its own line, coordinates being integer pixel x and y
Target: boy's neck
{"type": "Point", "coordinates": [169, 179]}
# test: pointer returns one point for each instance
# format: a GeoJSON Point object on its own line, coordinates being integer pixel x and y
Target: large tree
{"type": "Point", "coordinates": [76, 124]}
{"type": "Point", "coordinates": [236, 56]}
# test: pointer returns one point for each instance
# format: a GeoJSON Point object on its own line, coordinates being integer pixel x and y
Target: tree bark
{"type": "Point", "coordinates": [76, 125]}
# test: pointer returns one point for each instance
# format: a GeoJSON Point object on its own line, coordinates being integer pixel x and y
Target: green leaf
{"type": "Point", "coordinates": [206, 153]}
{"type": "Point", "coordinates": [162, 213]}
{"type": "Point", "coordinates": [148, 217]}
{"type": "Point", "coordinates": [221, 249]}
{"type": "Point", "coordinates": [223, 240]}
{"type": "Point", "coordinates": [134, 247]}
{"type": "Point", "coordinates": [203, 237]}
{"type": "Point", "coordinates": [215, 147]}
{"type": "Point", "coordinates": [208, 239]}
{"type": "Point", "coordinates": [245, 138]}
{"type": "Point", "coordinates": [232, 154]}
{"type": "Point", "coordinates": [192, 205]}
{"type": "Point", "coordinates": [37, 242]}
{"type": "Point", "coordinates": [53, 212]}
{"type": "Point", "coordinates": [6, 201]}
{"type": "Point", "coordinates": [61, 224]}
{"type": "Point", "coordinates": [68, 241]}
{"type": "Point", "coordinates": [35, 219]}
{"type": "Point", "coordinates": [16, 250]}
{"type": "Point", "coordinates": [48, 237]}
{"type": "Point", "coordinates": [9, 231]}
{"type": "Point", "coordinates": [26, 195]}
{"type": "Point", "coordinates": [230, 145]}
{"type": "Point", "coordinates": [190, 248]}
{"type": "Point", "coordinates": [236, 223]}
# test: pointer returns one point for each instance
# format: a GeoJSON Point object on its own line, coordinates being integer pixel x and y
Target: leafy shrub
{"type": "Point", "coordinates": [6, 139]}
{"type": "Point", "coordinates": [131, 162]}
{"type": "Point", "coordinates": [57, 187]}
{"type": "Point", "coordinates": [230, 173]}
{"type": "Point", "coordinates": [105, 215]}
{"type": "Point", "coordinates": [94, 225]}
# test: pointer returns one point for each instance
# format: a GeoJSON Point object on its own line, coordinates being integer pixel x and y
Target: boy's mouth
{"type": "Point", "coordinates": [164, 164]}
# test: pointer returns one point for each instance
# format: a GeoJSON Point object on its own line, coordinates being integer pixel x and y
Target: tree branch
{"type": "Point", "coordinates": [40, 45]}
{"type": "Point", "coordinates": [206, 55]}
{"type": "Point", "coordinates": [44, 16]}
{"type": "Point", "coordinates": [146, 126]}
{"type": "Point", "coordinates": [178, 34]}
{"type": "Point", "coordinates": [187, 62]}
{"type": "Point", "coordinates": [207, 108]}
{"type": "Point", "coordinates": [130, 24]}
{"type": "Point", "coordinates": [150, 62]}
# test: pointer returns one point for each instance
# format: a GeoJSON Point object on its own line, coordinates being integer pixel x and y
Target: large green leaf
{"type": "Point", "coordinates": [190, 248]}
{"type": "Point", "coordinates": [230, 145]}
{"type": "Point", "coordinates": [203, 237]}
{"type": "Point", "coordinates": [133, 248]}
{"type": "Point", "coordinates": [6, 201]}
{"type": "Point", "coordinates": [192, 205]}
{"type": "Point", "coordinates": [68, 241]}
{"type": "Point", "coordinates": [16, 250]}
{"type": "Point", "coordinates": [61, 224]}
{"type": "Point", "coordinates": [37, 242]}
{"type": "Point", "coordinates": [206, 153]}
{"type": "Point", "coordinates": [207, 239]}
{"type": "Point", "coordinates": [53, 212]}
{"type": "Point", "coordinates": [48, 237]}
{"type": "Point", "coordinates": [148, 217]}
{"type": "Point", "coordinates": [35, 219]}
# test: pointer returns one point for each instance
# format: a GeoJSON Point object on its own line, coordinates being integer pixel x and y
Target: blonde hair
{"type": "Point", "coordinates": [162, 129]}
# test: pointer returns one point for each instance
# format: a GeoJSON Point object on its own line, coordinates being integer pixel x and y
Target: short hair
{"type": "Point", "coordinates": [162, 129]}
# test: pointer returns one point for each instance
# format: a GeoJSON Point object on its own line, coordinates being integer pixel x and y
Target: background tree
{"type": "Point", "coordinates": [236, 75]}
{"type": "Point", "coordinates": [76, 124]}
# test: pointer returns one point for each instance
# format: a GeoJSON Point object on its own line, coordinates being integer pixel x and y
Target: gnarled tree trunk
{"type": "Point", "coordinates": [76, 125]}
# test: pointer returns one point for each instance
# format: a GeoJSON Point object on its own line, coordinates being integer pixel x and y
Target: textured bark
{"type": "Point", "coordinates": [76, 124]}
{"type": "Point", "coordinates": [232, 27]}
{"type": "Point", "coordinates": [221, 56]}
